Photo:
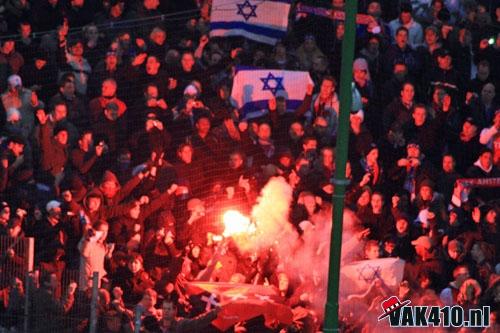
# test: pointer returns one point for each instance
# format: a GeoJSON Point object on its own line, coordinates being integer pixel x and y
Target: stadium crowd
{"type": "Point", "coordinates": [120, 150]}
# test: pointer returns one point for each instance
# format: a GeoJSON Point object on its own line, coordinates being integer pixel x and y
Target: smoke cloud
{"type": "Point", "coordinates": [304, 259]}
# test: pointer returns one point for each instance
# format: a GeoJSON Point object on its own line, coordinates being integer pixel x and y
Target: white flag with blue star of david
{"type": "Point", "coordinates": [356, 277]}
{"type": "Point", "coordinates": [253, 88]}
{"type": "Point", "coordinates": [264, 21]}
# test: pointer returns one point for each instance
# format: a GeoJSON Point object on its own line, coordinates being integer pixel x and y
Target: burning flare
{"type": "Point", "coordinates": [236, 223]}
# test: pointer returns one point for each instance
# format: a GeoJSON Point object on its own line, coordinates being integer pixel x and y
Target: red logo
{"type": "Point", "coordinates": [392, 304]}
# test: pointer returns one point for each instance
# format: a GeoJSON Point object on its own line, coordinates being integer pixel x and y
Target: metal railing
{"type": "Point", "coordinates": [19, 282]}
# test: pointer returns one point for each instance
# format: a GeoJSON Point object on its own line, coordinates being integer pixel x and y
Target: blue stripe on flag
{"type": "Point", "coordinates": [283, 1]}
{"type": "Point", "coordinates": [291, 104]}
{"type": "Point", "coordinates": [273, 33]}
{"type": "Point", "coordinates": [245, 68]}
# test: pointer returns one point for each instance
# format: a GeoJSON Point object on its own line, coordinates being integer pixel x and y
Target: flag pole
{"type": "Point", "coordinates": [340, 181]}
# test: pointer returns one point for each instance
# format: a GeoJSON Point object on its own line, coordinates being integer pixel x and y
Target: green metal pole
{"type": "Point", "coordinates": [332, 304]}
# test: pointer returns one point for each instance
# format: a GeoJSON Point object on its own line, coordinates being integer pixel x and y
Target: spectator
{"type": "Point", "coordinates": [68, 95]}
{"type": "Point", "coordinates": [84, 157]}
{"type": "Point", "coordinates": [170, 321]}
{"type": "Point", "coordinates": [94, 250]}
{"type": "Point", "coordinates": [17, 168]}
{"type": "Point", "coordinates": [22, 99]}
{"type": "Point", "coordinates": [70, 58]}
{"type": "Point", "coordinates": [426, 260]}
{"type": "Point", "coordinates": [39, 75]}
{"type": "Point", "coordinates": [415, 35]}
{"type": "Point", "coordinates": [9, 57]}
{"type": "Point", "coordinates": [467, 146]}
{"type": "Point", "coordinates": [108, 96]}
{"type": "Point", "coordinates": [401, 52]}
{"type": "Point", "coordinates": [54, 149]}
{"type": "Point", "coordinates": [324, 104]}
{"type": "Point", "coordinates": [47, 307]}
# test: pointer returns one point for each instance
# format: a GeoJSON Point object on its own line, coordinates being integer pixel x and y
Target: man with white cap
{"type": "Point", "coordinates": [50, 234]}
{"type": "Point", "coordinates": [426, 260]}
{"type": "Point", "coordinates": [21, 99]}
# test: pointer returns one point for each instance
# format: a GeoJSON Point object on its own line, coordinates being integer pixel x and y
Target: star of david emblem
{"type": "Point", "coordinates": [368, 273]}
{"type": "Point", "coordinates": [210, 301]}
{"type": "Point", "coordinates": [278, 85]}
{"type": "Point", "coordinates": [246, 10]}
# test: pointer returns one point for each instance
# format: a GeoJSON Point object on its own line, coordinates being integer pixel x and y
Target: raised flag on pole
{"type": "Point", "coordinates": [252, 89]}
{"type": "Point", "coordinates": [264, 21]}
{"type": "Point", "coordinates": [357, 277]}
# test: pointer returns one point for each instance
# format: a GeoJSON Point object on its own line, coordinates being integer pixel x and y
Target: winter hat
{"type": "Point", "coordinates": [442, 52]}
{"type": "Point", "coordinates": [40, 55]}
{"type": "Point", "coordinates": [109, 177]}
{"type": "Point", "coordinates": [15, 81]}
{"type": "Point", "coordinates": [191, 91]}
{"type": "Point", "coordinates": [361, 64]}
{"type": "Point", "coordinates": [59, 128]}
{"type": "Point", "coordinates": [52, 205]}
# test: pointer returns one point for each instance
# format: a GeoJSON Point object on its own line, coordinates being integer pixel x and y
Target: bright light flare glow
{"type": "Point", "coordinates": [236, 223]}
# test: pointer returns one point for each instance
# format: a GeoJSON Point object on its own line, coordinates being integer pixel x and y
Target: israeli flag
{"type": "Point", "coordinates": [253, 88]}
{"type": "Point", "coordinates": [264, 21]}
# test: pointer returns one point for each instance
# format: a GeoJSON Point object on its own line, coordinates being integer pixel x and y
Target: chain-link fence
{"type": "Point", "coordinates": [28, 305]}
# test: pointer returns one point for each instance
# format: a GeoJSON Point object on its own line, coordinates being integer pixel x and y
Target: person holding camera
{"type": "Point", "coordinates": [93, 252]}
{"type": "Point", "coordinates": [153, 137]}
{"type": "Point", "coordinates": [411, 170]}
{"type": "Point", "coordinates": [84, 157]}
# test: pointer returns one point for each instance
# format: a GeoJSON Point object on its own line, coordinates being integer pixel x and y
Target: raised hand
{"type": "Point", "coordinates": [309, 89]}
{"type": "Point", "coordinates": [72, 288]}
{"type": "Point", "coordinates": [272, 104]}
{"type": "Point", "coordinates": [476, 215]}
{"type": "Point", "coordinates": [204, 40]}
{"type": "Point", "coordinates": [446, 103]}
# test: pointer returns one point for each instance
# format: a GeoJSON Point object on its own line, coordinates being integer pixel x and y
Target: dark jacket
{"type": "Point", "coordinates": [54, 155]}
{"type": "Point", "coordinates": [133, 285]}
{"type": "Point", "coordinates": [104, 212]}
{"type": "Point", "coordinates": [83, 161]}
{"type": "Point", "coordinates": [396, 115]}
{"type": "Point", "coordinates": [408, 56]}
{"type": "Point", "coordinates": [48, 311]}
{"type": "Point", "coordinates": [478, 171]}
{"type": "Point", "coordinates": [123, 228]}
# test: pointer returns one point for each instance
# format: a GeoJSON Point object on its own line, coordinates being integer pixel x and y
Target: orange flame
{"type": "Point", "coordinates": [236, 223]}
